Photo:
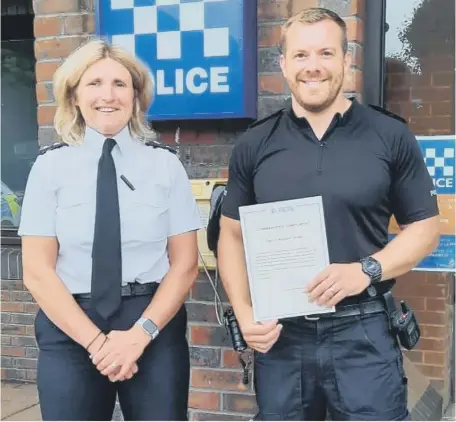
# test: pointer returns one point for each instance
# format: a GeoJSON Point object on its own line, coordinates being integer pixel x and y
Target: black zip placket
{"type": "Point", "coordinates": [322, 142]}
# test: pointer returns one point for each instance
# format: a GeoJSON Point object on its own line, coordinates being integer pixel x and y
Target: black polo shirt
{"type": "Point", "coordinates": [367, 167]}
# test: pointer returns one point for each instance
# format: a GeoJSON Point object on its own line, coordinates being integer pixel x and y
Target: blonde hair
{"type": "Point", "coordinates": [313, 15]}
{"type": "Point", "coordinates": [68, 121]}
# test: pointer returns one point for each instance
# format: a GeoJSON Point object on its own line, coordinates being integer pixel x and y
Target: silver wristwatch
{"type": "Point", "coordinates": [149, 327]}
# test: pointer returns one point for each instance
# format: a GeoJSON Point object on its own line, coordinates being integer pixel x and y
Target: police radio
{"type": "Point", "coordinates": [403, 322]}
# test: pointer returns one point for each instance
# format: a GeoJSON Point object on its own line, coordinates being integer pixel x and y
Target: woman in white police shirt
{"type": "Point", "coordinates": [109, 249]}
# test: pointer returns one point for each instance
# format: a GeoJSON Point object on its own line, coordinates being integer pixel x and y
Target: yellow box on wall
{"type": "Point", "coordinates": [202, 190]}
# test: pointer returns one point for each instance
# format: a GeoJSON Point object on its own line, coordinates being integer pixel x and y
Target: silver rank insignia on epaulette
{"type": "Point", "coordinates": [55, 145]}
{"type": "Point", "coordinates": [156, 144]}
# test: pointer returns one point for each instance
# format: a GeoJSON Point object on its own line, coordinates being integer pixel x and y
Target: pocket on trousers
{"type": "Point", "coordinates": [367, 372]}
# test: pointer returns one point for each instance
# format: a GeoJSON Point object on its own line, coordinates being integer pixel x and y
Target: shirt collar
{"type": "Point", "coordinates": [94, 140]}
{"type": "Point", "coordinates": [342, 119]}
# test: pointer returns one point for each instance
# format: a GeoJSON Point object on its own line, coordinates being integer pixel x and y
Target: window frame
{"type": "Point", "coordinates": [374, 52]}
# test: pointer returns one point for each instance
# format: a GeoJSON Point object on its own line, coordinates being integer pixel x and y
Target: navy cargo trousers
{"type": "Point", "coordinates": [350, 366]}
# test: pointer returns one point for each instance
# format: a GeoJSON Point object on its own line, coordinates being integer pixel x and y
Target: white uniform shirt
{"type": "Point", "coordinates": [60, 201]}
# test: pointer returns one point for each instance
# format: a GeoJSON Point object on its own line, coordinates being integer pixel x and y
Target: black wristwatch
{"type": "Point", "coordinates": [372, 268]}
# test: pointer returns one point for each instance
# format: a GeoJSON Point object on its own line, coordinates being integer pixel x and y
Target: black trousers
{"type": "Point", "coordinates": [71, 388]}
{"type": "Point", "coordinates": [350, 366]}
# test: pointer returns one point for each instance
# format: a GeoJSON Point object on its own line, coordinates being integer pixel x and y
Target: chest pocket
{"type": "Point", "coordinates": [144, 212]}
{"type": "Point", "coordinates": [75, 214]}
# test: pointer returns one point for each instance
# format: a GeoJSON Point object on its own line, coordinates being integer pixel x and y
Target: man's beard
{"type": "Point", "coordinates": [318, 107]}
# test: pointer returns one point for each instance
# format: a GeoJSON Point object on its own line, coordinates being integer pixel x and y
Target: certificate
{"type": "Point", "coordinates": [285, 248]}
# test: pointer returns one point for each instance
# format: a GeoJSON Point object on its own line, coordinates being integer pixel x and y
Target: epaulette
{"type": "Point", "coordinates": [55, 145]}
{"type": "Point", "coordinates": [387, 113]}
{"type": "Point", "coordinates": [274, 115]}
{"type": "Point", "coordinates": [156, 144]}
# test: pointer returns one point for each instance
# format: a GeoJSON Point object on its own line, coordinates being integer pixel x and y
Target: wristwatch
{"type": "Point", "coordinates": [371, 267]}
{"type": "Point", "coordinates": [149, 327]}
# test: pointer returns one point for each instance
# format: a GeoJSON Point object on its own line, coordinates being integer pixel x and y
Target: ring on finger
{"type": "Point", "coordinates": [113, 365]}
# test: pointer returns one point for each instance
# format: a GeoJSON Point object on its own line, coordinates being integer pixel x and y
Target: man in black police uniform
{"type": "Point", "coordinates": [367, 166]}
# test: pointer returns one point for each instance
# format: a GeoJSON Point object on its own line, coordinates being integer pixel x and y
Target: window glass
{"type": "Point", "coordinates": [19, 129]}
{"type": "Point", "coordinates": [420, 57]}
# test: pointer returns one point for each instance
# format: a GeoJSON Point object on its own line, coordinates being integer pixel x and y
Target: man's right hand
{"type": "Point", "coordinates": [260, 336]}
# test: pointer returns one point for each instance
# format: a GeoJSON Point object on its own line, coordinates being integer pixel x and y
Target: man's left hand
{"type": "Point", "coordinates": [336, 282]}
{"type": "Point", "coordinates": [120, 352]}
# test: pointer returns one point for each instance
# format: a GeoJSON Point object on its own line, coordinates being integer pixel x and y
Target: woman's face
{"type": "Point", "coordinates": [105, 97]}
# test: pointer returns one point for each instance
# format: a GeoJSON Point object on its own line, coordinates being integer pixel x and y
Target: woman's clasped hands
{"type": "Point", "coordinates": [116, 354]}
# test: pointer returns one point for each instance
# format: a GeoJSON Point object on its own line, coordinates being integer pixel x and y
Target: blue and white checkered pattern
{"type": "Point", "coordinates": [439, 156]}
{"type": "Point", "coordinates": [171, 25]}
{"type": "Point", "coordinates": [440, 162]}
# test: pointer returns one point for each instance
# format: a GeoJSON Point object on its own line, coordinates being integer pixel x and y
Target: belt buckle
{"type": "Point", "coordinates": [311, 318]}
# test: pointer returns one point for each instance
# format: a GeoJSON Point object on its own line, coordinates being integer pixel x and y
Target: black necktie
{"type": "Point", "coordinates": [106, 252]}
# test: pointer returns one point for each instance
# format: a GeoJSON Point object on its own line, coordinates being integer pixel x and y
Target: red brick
{"type": "Point", "coordinates": [421, 124]}
{"type": "Point", "coordinates": [45, 70]}
{"type": "Point", "coordinates": [46, 115]}
{"type": "Point", "coordinates": [31, 308]}
{"type": "Point", "coordinates": [56, 48]}
{"type": "Point", "coordinates": [433, 304]}
{"type": "Point", "coordinates": [47, 27]}
{"type": "Point", "coordinates": [186, 135]}
{"type": "Point", "coordinates": [12, 307]}
{"type": "Point", "coordinates": [434, 318]}
{"type": "Point", "coordinates": [13, 351]}
{"type": "Point", "coordinates": [13, 329]}
{"type": "Point", "coordinates": [442, 108]}
{"type": "Point", "coordinates": [204, 400]}
{"type": "Point", "coordinates": [443, 79]}
{"type": "Point", "coordinates": [431, 94]}
{"type": "Point", "coordinates": [431, 371]}
{"type": "Point", "coordinates": [78, 24]}
{"type": "Point", "coordinates": [55, 6]}
{"type": "Point", "coordinates": [435, 358]}
{"type": "Point", "coordinates": [269, 35]}
{"type": "Point", "coordinates": [298, 5]}
{"type": "Point", "coordinates": [355, 29]}
{"type": "Point", "coordinates": [432, 345]}
{"type": "Point", "coordinates": [434, 331]}
{"type": "Point", "coordinates": [415, 288]}
{"type": "Point", "coordinates": [353, 81]}
{"type": "Point", "coordinates": [272, 9]}
{"type": "Point", "coordinates": [271, 84]}
{"type": "Point", "coordinates": [220, 380]}
{"type": "Point", "coordinates": [206, 137]}
{"type": "Point", "coordinates": [357, 8]}
{"type": "Point", "coordinates": [241, 403]}
{"type": "Point", "coordinates": [44, 93]}
{"type": "Point", "coordinates": [415, 355]}
{"type": "Point", "coordinates": [209, 336]}
{"type": "Point", "coordinates": [230, 359]}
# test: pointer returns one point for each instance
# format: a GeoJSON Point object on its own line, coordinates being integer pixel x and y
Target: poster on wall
{"type": "Point", "coordinates": [439, 155]}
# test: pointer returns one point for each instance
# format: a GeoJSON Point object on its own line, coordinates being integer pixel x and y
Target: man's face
{"type": "Point", "coordinates": [314, 64]}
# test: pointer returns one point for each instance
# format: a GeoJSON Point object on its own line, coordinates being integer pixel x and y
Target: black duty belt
{"type": "Point", "coordinates": [130, 289]}
{"type": "Point", "coordinates": [368, 307]}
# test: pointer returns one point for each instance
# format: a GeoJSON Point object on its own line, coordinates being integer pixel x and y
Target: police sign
{"type": "Point", "coordinates": [202, 53]}
{"type": "Point", "coordinates": [439, 154]}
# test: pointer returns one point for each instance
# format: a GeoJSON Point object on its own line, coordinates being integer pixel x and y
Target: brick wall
{"type": "Point", "coordinates": [216, 392]}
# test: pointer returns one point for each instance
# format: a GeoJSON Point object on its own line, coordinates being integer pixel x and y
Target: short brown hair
{"type": "Point", "coordinates": [313, 15]}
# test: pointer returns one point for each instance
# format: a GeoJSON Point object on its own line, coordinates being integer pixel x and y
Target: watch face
{"type": "Point", "coordinates": [371, 266]}
{"type": "Point", "coordinates": [150, 327]}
